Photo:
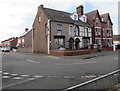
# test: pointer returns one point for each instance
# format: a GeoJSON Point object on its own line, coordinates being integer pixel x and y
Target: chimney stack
{"type": "Point", "coordinates": [80, 10]}
{"type": "Point", "coordinates": [40, 7]}
{"type": "Point", "coordinates": [26, 29]}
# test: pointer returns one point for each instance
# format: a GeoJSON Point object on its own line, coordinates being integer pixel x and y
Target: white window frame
{"type": "Point", "coordinates": [71, 30]}
{"type": "Point", "coordinates": [39, 19]}
{"type": "Point", "coordinates": [59, 29]}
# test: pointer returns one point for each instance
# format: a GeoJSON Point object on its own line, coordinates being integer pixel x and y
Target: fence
{"type": "Point", "coordinates": [108, 82]}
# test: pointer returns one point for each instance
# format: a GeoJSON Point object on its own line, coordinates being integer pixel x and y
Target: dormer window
{"type": "Point", "coordinates": [102, 19]}
{"type": "Point", "coordinates": [75, 17]}
{"type": "Point", "coordinates": [83, 18]}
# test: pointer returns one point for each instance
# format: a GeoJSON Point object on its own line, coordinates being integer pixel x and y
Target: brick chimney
{"type": "Point", "coordinates": [40, 7]}
{"type": "Point", "coordinates": [80, 10]}
{"type": "Point", "coordinates": [26, 29]}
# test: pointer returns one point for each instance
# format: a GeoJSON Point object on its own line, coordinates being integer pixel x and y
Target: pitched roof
{"type": "Point", "coordinates": [61, 16]}
{"type": "Point", "coordinates": [105, 17]}
{"type": "Point", "coordinates": [25, 33]}
{"type": "Point", "coordinates": [92, 14]}
{"type": "Point", "coordinates": [57, 15]}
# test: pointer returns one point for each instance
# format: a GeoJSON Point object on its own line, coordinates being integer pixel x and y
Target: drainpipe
{"type": "Point", "coordinates": [32, 39]}
{"type": "Point", "coordinates": [48, 36]}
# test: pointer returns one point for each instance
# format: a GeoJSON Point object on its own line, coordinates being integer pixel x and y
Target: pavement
{"type": "Point", "coordinates": [92, 55]}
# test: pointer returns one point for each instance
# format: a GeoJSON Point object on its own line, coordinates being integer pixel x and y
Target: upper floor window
{"type": "Point", "coordinates": [75, 17]}
{"type": "Point", "coordinates": [59, 29]}
{"type": "Point", "coordinates": [70, 30]}
{"type": "Point", "coordinates": [97, 20]}
{"type": "Point", "coordinates": [86, 32]}
{"type": "Point", "coordinates": [107, 32]}
{"type": "Point", "coordinates": [76, 31]}
{"type": "Point", "coordinates": [84, 19]}
{"type": "Point", "coordinates": [97, 31]}
{"type": "Point", "coordinates": [108, 23]}
{"type": "Point", "coordinates": [102, 19]}
{"type": "Point", "coordinates": [39, 18]}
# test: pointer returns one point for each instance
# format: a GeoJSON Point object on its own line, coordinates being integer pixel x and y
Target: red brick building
{"type": "Point", "coordinates": [102, 32]}
{"type": "Point", "coordinates": [11, 42]}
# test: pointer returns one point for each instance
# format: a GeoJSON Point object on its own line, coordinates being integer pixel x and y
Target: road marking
{"type": "Point", "coordinates": [17, 78]}
{"type": "Point", "coordinates": [33, 61]}
{"type": "Point", "coordinates": [89, 76]}
{"type": "Point", "coordinates": [24, 75]}
{"type": "Point", "coordinates": [31, 78]}
{"type": "Point", "coordinates": [17, 83]}
{"type": "Point", "coordinates": [13, 74]}
{"type": "Point", "coordinates": [37, 76]}
{"type": "Point", "coordinates": [5, 73]}
{"type": "Point", "coordinates": [0, 72]}
{"type": "Point", "coordinates": [76, 63]}
{"type": "Point", "coordinates": [69, 76]}
{"type": "Point", "coordinates": [5, 77]}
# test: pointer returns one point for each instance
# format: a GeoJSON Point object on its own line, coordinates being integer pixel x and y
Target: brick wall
{"type": "Point", "coordinates": [71, 52]}
{"type": "Point", "coordinates": [25, 50]}
{"type": "Point", "coordinates": [108, 48]}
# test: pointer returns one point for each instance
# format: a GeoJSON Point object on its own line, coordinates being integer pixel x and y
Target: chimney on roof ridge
{"type": "Point", "coordinates": [26, 29]}
{"type": "Point", "coordinates": [41, 6]}
{"type": "Point", "coordinates": [80, 10]}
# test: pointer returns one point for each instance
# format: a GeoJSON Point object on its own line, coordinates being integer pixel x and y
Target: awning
{"type": "Point", "coordinates": [86, 37]}
{"type": "Point", "coordinates": [59, 36]}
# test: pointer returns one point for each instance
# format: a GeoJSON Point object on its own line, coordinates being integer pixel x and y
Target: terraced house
{"type": "Point", "coordinates": [102, 32]}
{"type": "Point", "coordinates": [54, 30]}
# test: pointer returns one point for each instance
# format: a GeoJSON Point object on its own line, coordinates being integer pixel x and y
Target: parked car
{"type": "Point", "coordinates": [117, 46]}
{"type": "Point", "coordinates": [86, 47]}
{"type": "Point", "coordinates": [2, 49]}
{"type": "Point", "coordinates": [6, 49]}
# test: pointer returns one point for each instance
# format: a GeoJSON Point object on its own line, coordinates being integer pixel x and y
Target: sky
{"type": "Point", "coordinates": [16, 15]}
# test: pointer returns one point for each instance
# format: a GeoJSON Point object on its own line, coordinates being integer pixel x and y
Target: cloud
{"type": "Point", "coordinates": [16, 15]}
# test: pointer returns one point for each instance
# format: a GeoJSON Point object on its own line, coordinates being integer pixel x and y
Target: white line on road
{"type": "Point", "coordinates": [76, 63]}
{"type": "Point", "coordinates": [33, 61]}
{"type": "Point", "coordinates": [17, 83]}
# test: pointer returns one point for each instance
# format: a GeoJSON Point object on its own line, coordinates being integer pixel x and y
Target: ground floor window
{"type": "Point", "coordinates": [86, 42]}
{"type": "Point", "coordinates": [98, 41]}
{"type": "Point", "coordinates": [59, 43]}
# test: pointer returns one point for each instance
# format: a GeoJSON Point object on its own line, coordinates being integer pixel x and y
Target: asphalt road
{"type": "Point", "coordinates": [33, 71]}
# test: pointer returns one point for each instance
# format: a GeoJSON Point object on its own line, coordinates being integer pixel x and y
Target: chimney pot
{"type": "Point", "coordinates": [26, 29]}
{"type": "Point", "coordinates": [41, 6]}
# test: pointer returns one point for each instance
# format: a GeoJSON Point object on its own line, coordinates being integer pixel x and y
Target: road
{"type": "Point", "coordinates": [34, 71]}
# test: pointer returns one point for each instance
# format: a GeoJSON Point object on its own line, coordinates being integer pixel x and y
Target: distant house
{"type": "Point", "coordinates": [55, 30]}
{"type": "Point", "coordinates": [102, 31]}
{"type": "Point", "coordinates": [24, 43]}
{"type": "Point", "coordinates": [11, 43]}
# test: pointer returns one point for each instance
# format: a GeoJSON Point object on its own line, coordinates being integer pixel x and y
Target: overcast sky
{"type": "Point", "coordinates": [16, 15]}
